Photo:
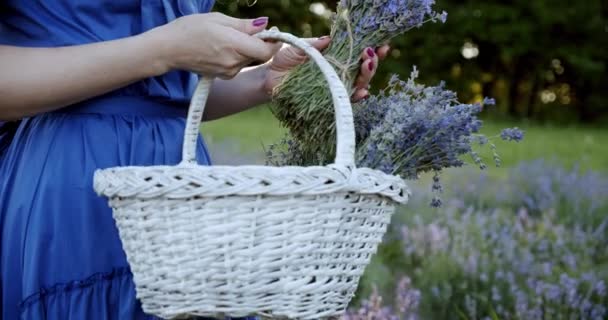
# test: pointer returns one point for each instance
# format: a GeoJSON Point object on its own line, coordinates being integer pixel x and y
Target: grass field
{"type": "Point", "coordinates": [249, 132]}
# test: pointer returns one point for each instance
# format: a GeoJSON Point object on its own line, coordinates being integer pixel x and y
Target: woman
{"type": "Point", "coordinates": [98, 84]}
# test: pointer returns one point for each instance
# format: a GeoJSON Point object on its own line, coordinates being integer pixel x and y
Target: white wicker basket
{"type": "Point", "coordinates": [278, 242]}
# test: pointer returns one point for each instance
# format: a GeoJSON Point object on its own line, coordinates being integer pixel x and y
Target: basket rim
{"type": "Point", "coordinates": [171, 182]}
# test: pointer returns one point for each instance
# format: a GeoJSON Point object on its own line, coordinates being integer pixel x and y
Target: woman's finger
{"type": "Point", "coordinates": [368, 53]}
{"type": "Point", "coordinates": [290, 56]}
{"type": "Point", "coordinates": [246, 26]}
{"type": "Point", "coordinates": [319, 43]}
{"type": "Point", "coordinates": [383, 51]}
{"type": "Point", "coordinates": [368, 68]}
{"type": "Point", "coordinates": [359, 95]}
{"type": "Point", "coordinates": [252, 47]}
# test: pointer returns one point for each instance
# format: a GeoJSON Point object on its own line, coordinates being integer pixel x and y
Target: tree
{"type": "Point", "coordinates": [542, 59]}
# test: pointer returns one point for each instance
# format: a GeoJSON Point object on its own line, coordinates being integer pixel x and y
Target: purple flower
{"type": "Point", "coordinates": [600, 288]}
{"type": "Point", "coordinates": [406, 302]}
{"type": "Point", "coordinates": [512, 134]}
{"type": "Point", "coordinates": [488, 101]}
{"type": "Point", "coordinates": [443, 17]}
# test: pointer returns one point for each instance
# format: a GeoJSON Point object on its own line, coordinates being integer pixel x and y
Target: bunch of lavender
{"type": "Point", "coordinates": [409, 129]}
{"type": "Point", "coordinates": [303, 101]}
{"type": "Point", "coordinates": [405, 307]}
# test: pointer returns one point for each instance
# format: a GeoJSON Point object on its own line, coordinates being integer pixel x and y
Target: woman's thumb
{"type": "Point", "coordinates": [249, 26]}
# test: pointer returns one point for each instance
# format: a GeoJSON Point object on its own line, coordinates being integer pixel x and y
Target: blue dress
{"type": "Point", "coordinates": [61, 257]}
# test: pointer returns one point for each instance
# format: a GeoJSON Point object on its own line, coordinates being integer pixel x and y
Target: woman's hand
{"type": "Point", "coordinates": [213, 44]}
{"type": "Point", "coordinates": [290, 57]}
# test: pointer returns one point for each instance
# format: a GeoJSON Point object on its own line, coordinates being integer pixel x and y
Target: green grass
{"type": "Point", "coordinates": [566, 145]}
{"type": "Point", "coordinates": [250, 131]}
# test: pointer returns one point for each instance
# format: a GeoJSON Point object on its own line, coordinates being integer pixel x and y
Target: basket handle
{"type": "Point", "coordinates": [345, 129]}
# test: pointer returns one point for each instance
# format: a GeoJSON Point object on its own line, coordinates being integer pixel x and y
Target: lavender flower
{"type": "Point", "coordinates": [600, 288]}
{"type": "Point", "coordinates": [512, 134]}
{"type": "Point", "coordinates": [406, 304]}
{"type": "Point", "coordinates": [540, 186]}
{"type": "Point", "coordinates": [489, 101]}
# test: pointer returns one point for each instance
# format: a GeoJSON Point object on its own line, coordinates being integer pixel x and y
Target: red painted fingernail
{"type": "Point", "coordinates": [371, 66]}
{"type": "Point", "coordinates": [370, 52]}
{"type": "Point", "coordinates": [260, 21]}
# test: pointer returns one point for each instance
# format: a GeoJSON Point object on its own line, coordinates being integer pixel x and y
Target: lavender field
{"type": "Point", "coordinates": [527, 241]}
{"type": "Point", "coordinates": [533, 245]}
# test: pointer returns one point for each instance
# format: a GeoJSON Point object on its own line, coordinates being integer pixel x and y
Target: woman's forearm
{"type": "Point", "coordinates": [244, 91]}
{"type": "Point", "coordinates": [37, 80]}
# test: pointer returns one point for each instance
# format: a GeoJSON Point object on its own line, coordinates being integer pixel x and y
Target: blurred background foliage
{"type": "Point", "coordinates": [544, 60]}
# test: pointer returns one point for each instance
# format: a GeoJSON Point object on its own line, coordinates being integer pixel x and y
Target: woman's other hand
{"type": "Point", "coordinates": [290, 57]}
{"type": "Point", "coordinates": [212, 44]}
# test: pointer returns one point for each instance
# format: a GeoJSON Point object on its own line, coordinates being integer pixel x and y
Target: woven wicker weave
{"type": "Point", "coordinates": [278, 242]}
